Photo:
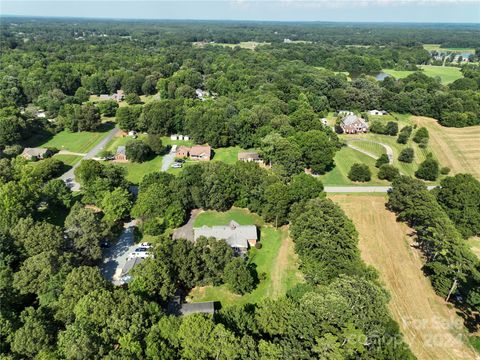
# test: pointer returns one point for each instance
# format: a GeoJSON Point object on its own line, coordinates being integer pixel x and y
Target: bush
{"type": "Point", "coordinates": [107, 107]}
{"type": "Point", "coordinates": [421, 136]}
{"type": "Point", "coordinates": [445, 170]}
{"type": "Point", "coordinates": [382, 160]}
{"type": "Point", "coordinates": [258, 245]}
{"type": "Point", "coordinates": [154, 142]}
{"type": "Point", "coordinates": [132, 99]}
{"type": "Point", "coordinates": [137, 151]}
{"type": "Point", "coordinates": [388, 172]}
{"type": "Point", "coordinates": [360, 172]}
{"type": "Point", "coordinates": [238, 276]}
{"type": "Point", "coordinates": [391, 128]}
{"type": "Point", "coordinates": [404, 135]}
{"type": "Point", "coordinates": [406, 155]}
{"type": "Point", "coordinates": [428, 170]}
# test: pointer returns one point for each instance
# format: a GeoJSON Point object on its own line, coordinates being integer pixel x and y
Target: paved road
{"type": "Point", "coordinates": [72, 184]}
{"type": "Point", "coordinates": [387, 148]}
{"type": "Point", "coordinates": [186, 231]}
{"type": "Point", "coordinates": [115, 257]}
{"type": "Point", "coordinates": [167, 160]}
{"type": "Point", "coordinates": [361, 189]}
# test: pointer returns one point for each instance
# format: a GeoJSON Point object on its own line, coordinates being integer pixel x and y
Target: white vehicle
{"type": "Point", "coordinates": [176, 165]}
{"type": "Point", "coordinates": [139, 254]}
{"type": "Point", "coordinates": [146, 245]}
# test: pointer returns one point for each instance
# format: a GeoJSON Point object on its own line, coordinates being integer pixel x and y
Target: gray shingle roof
{"type": "Point", "coordinates": [234, 234]}
{"type": "Point", "coordinates": [121, 150]}
{"type": "Point", "coordinates": [207, 307]}
{"type": "Point", "coordinates": [351, 119]}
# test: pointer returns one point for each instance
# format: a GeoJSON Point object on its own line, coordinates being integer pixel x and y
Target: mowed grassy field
{"type": "Point", "coordinates": [474, 244]}
{"type": "Point", "coordinates": [79, 142]}
{"type": "Point", "coordinates": [344, 159]}
{"type": "Point", "coordinates": [447, 74]}
{"type": "Point", "coordinates": [431, 328]}
{"type": "Point", "coordinates": [431, 47]}
{"type": "Point", "coordinates": [276, 259]}
{"type": "Point", "coordinates": [457, 148]}
{"type": "Point", "coordinates": [69, 160]}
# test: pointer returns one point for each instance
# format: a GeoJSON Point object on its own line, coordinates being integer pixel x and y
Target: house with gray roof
{"type": "Point", "coordinates": [353, 124]}
{"type": "Point", "coordinates": [35, 153]}
{"type": "Point", "coordinates": [207, 307]}
{"type": "Point", "coordinates": [239, 237]}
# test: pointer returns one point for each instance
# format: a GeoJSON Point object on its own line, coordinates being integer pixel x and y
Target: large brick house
{"type": "Point", "coordinates": [353, 124]}
{"type": "Point", "coordinates": [196, 152]}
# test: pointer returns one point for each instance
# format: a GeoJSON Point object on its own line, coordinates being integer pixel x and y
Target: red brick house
{"type": "Point", "coordinates": [353, 124]}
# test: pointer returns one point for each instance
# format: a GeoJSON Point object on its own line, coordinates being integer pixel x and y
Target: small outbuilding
{"type": "Point", "coordinates": [207, 307]}
{"type": "Point", "coordinates": [249, 157]}
{"type": "Point", "coordinates": [121, 154]}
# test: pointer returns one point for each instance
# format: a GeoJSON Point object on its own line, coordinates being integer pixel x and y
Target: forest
{"type": "Point", "coordinates": [55, 303]}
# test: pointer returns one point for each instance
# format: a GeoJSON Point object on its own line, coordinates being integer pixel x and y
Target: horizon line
{"type": "Point", "coordinates": [234, 20]}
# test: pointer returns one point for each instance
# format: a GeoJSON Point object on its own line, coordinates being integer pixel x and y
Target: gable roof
{"type": "Point", "coordinates": [207, 307]}
{"type": "Point", "coordinates": [201, 150]}
{"type": "Point", "coordinates": [234, 234]}
{"type": "Point", "coordinates": [121, 150]}
{"type": "Point", "coordinates": [352, 119]}
{"type": "Point", "coordinates": [248, 156]}
{"type": "Point", "coordinates": [34, 151]}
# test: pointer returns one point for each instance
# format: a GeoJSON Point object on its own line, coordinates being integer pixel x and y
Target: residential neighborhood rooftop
{"type": "Point", "coordinates": [236, 235]}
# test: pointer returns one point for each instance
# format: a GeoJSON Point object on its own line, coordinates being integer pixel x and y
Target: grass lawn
{"type": "Point", "coordinates": [69, 160]}
{"type": "Point", "coordinates": [136, 171]}
{"type": "Point", "coordinates": [344, 159]}
{"type": "Point", "coordinates": [371, 147]}
{"type": "Point", "coordinates": [276, 259]}
{"type": "Point", "coordinates": [242, 216]}
{"type": "Point", "coordinates": [432, 47]}
{"type": "Point", "coordinates": [80, 142]}
{"type": "Point", "coordinates": [474, 244]}
{"type": "Point", "coordinates": [228, 155]}
{"type": "Point", "coordinates": [447, 74]}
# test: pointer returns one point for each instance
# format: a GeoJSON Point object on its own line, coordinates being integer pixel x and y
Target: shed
{"type": "Point", "coordinates": [121, 154]}
{"type": "Point", "coordinates": [207, 307]}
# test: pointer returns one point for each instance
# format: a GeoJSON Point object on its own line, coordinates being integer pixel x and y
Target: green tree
{"type": "Point", "coordinates": [421, 135]}
{"type": "Point", "coordinates": [155, 144]}
{"type": "Point", "coordinates": [382, 160]}
{"type": "Point", "coordinates": [360, 172]}
{"type": "Point", "coordinates": [133, 99]}
{"type": "Point", "coordinates": [388, 172]}
{"type": "Point", "coordinates": [238, 276]}
{"type": "Point", "coordinates": [428, 169]}
{"type": "Point", "coordinates": [459, 196]}
{"type": "Point", "coordinates": [85, 231]}
{"type": "Point", "coordinates": [116, 205]}
{"type": "Point", "coordinates": [137, 151]}
{"type": "Point", "coordinates": [406, 155]}
{"type": "Point", "coordinates": [107, 107]}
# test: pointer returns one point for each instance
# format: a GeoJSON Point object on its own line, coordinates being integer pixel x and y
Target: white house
{"type": "Point", "coordinates": [377, 112]}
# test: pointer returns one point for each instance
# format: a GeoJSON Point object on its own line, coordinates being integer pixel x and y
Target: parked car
{"type": "Point", "coordinates": [141, 249]}
{"type": "Point", "coordinates": [146, 245]}
{"type": "Point", "coordinates": [176, 165]}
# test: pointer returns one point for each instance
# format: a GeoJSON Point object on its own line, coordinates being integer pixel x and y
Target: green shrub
{"type": "Point", "coordinates": [428, 170]}
{"type": "Point", "coordinates": [388, 172]}
{"type": "Point", "coordinates": [382, 160]}
{"type": "Point", "coordinates": [445, 170]}
{"type": "Point", "coordinates": [360, 172]}
{"type": "Point", "coordinates": [406, 155]}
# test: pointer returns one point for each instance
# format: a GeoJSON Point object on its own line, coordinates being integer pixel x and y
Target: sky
{"type": "Point", "coordinates": [452, 11]}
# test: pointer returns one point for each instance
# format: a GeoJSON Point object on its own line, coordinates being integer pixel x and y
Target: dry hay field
{"type": "Point", "coordinates": [457, 148]}
{"type": "Point", "coordinates": [431, 328]}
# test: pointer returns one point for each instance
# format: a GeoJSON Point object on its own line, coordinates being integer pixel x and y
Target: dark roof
{"type": "Point", "coordinates": [207, 307]}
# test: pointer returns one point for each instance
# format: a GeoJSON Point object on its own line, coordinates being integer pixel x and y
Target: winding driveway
{"type": "Point", "coordinates": [69, 176]}
{"type": "Point", "coordinates": [387, 148]}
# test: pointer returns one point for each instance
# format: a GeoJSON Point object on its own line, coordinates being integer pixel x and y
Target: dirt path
{"type": "Point", "coordinates": [432, 330]}
{"type": "Point", "coordinates": [282, 261]}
